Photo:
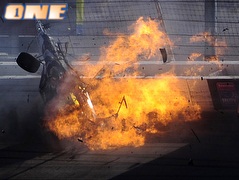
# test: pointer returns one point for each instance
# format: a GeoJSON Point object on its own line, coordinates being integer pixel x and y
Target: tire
{"type": "Point", "coordinates": [28, 62]}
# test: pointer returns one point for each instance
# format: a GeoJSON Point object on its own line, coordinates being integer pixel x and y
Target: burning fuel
{"type": "Point", "coordinates": [194, 56]}
{"type": "Point", "coordinates": [220, 45]}
{"type": "Point", "coordinates": [126, 108]}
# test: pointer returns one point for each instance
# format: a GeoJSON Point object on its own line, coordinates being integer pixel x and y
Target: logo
{"type": "Point", "coordinates": [51, 11]}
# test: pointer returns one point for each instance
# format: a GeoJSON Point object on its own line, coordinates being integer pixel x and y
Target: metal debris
{"type": "Point", "coordinates": [29, 45]}
{"type": "Point", "coordinates": [121, 102]}
{"type": "Point", "coordinates": [195, 135]}
{"type": "Point", "coordinates": [225, 29]}
{"type": "Point", "coordinates": [80, 140]}
{"type": "Point", "coordinates": [164, 54]}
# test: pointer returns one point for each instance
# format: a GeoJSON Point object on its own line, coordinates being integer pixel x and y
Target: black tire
{"type": "Point", "coordinates": [28, 62]}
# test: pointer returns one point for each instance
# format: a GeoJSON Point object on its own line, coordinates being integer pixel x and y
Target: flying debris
{"type": "Point", "coordinates": [195, 135]}
{"type": "Point", "coordinates": [164, 54]}
{"type": "Point", "coordinates": [225, 29]}
{"type": "Point", "coordinates": [122, 101]}
{"type": "Point", "coordinates": [80, 140]}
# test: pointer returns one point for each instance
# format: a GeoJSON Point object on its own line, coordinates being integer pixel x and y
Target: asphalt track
{"type": "Point", "coordinates": [204, 149]}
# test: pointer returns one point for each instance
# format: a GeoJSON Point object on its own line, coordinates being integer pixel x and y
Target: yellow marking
{"type": "Point", "coordinates": [75, 101]}
{"type": "Point", "coordinates": [79, 11]}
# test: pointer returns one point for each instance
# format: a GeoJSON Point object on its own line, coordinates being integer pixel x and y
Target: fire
{"type": "Point", "coordinates": [194, 56]}
{"type": "Point", "coordinates": [126, 108]}
{"type": "Point", "coordinates": [142, 44]}
{"type": "Point", "coordinates": [145, 41]}
{"type": "Point", "coordinates": [143, 96]}
{"type": "Point", "coordinates": [204, 37]}
{"type": "Point", "coordinates": [219, 44]}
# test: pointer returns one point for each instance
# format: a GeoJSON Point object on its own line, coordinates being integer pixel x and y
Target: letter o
{"type": "Point", "coordinates": [14, 11]}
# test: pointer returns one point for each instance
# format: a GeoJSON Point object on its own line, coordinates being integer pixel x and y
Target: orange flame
{"type": "Point", "coordinates": [194, 56]}
{"type": "Point", "coordinates": [204, 37]}
{"type": "Point", "coordinates": [127, 108]}
{"type": "Point", "coordinates": [145, 41]}
{"type": "Point", "coordinates": [220, 45]}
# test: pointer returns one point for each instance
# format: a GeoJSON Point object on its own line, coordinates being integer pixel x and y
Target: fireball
{"type": "Point", "coordinates": [127, 109]}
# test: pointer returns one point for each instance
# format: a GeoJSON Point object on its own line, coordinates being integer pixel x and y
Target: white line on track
{"type": "Point", "coordinates": [20, 77]}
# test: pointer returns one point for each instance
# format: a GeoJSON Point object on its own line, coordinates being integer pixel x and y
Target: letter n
{"type": "Point", "coordinates": [36, 11]}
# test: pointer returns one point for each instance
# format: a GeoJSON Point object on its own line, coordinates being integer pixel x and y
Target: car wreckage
{"type": "Point", "coordinates": [55, 67]}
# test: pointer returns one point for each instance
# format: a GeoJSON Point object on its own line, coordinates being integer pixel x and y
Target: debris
{"type": "Point", "coordinates": [225, 29]}
{"type": "Point", "coordinates": [201, 78]}
{"type": "Point", "coordinates": [121, 102]}
{"type": "Point", "coordinates": [195, 135]}
{"type": "Point", "coordinates": [139, 129]}
{"type": "Point", "coordinates": [152, 18]}
{"type": "Point", "coordinates": [164, 54]}
{"type": "Point", "coordinates": [29, 45]}
{"type": "Point", "coordinates": [100, 73]}
{"type": "Point", "coordinates": [3, 131]}
{"type": "Point", "coordinates": [80, 140]}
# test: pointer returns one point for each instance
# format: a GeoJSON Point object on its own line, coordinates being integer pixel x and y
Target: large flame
{"type": "Point", "coordinates": [145, 41]}
{"type": "Point", "coordinates": [127, 108]}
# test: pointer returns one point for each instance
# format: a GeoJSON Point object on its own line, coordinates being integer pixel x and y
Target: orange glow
{"type": "Point", "coordinates": [145, 41]}
{"type": "Point", "coordinates": [143, 96]}
{"type": "Point", "coordinates": [204, 37]}
{"type": "Point", "coordinates": [142, 44]}
{"type": "Point", "coordinates": [220, 45]}
{"type": "Point", "coordinates": [194, 56]}
{"type": "Point", "coordinates": [127, 108]}
{"type": "Point", "coordinates": [151, 103]}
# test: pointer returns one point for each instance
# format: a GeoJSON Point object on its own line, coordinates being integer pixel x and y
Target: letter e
{"type": "Point", "coordinates": [57, 12]}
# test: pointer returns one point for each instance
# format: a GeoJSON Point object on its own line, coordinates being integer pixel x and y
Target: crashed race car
{"type": "Point", "coordinates": [54, 71]}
